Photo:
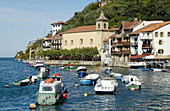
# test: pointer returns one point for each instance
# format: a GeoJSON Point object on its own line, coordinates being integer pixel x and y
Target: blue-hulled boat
{"type": "Point", "coordinates": [143, 69]}
{"type": "Point", "coordinates": [89, 79]}
{"type": "Point", "coordinates": [82, 74]}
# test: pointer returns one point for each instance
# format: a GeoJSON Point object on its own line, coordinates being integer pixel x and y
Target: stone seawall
{"type": "Point", "coordinates": [59, 62]}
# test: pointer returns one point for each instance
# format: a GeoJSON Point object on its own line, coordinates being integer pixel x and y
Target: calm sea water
{"type": "Point", "coordinates": [154, 95]}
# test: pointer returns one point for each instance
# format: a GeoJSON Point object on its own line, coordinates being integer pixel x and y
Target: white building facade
{"type": "Point", "coordinates": [56, 27]}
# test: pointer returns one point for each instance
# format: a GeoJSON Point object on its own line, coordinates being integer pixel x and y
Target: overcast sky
{"type": "Point", "coordinates": [22, 21]}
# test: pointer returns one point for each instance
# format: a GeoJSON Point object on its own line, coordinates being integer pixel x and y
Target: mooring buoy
{"type": "Point", "coordinates": [32, 106]}
{"type": "Point", "coordinates": [85, 94]}
{"type": "Point", "coordinates": [7, 86]}
{"type": "Point", "coordinates": [76, 85]}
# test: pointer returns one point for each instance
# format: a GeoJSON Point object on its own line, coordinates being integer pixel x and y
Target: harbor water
{"type": "Point", "coordinates": [154, 94]}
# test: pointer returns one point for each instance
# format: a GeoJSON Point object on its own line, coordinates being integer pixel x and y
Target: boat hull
{"type": "Point", "coordinates": [82, 74]}
{"type": "Point", "coordinates": [49, 98]}
{"type": "Point", "coordinates": [137, 87]}
{"type": "Point", "coordinates": [20, 83]}
{"type": "Point", "coordinates": [87, 82]}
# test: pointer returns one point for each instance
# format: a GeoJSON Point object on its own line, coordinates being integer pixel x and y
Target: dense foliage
{"type": "Point", "coordinates": [121, 10]}
{"type": "Point", "coordinates": [74, 54]}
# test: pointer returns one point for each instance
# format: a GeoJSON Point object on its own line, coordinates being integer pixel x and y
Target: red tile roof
{"type": "Point", "coordinates": [150, 27]}
{"type": "Point", "coordinates": [55, 37]}
{"type": "Point", "coordinates": [85, 28]}
{"type": "Point", "coordinates": [138, 56]}
{"type": "Point", "coordinates": [59, 22]}
{"type": "Point", "coordinates": [129, 25]}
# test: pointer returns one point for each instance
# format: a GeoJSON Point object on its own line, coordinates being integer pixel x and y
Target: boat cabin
{"type": "Point", "coordinates": [50, 86]}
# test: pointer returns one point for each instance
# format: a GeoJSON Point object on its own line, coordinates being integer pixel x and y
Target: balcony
{"type": "Point", "coordinates": [121, 52]}
{"type": "Point", "coordinates": [123, 43]}
{"type": "Point", "coordinates": [57, 43]}
{"type": "Point", "coordinates": [146, 46]}
{"type": "Point", "coordinates": [46, 45]}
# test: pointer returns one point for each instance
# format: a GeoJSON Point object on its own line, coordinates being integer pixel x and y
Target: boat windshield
{"type": "Point", "coordinates": [47, 88]}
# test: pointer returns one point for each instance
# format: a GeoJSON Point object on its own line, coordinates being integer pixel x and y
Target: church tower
{"type": "Point", "coordinates": [102, 22]}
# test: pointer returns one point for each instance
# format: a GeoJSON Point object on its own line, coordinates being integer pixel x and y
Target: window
{"type": "Point", "coordinates": [91, 41]}
{"type": "Point", "coordinates": [104, 25]}
{"type": "Point", "coordinates": [160, 51]}
{"type": "Point", "coordinates": [65, 43]}
{"type": "Point", "coordinates": [160, 42]}
{"type": "Point", "coordinates": [168, 34]}
{"type": "Point", "coordinates": [98, 25]}
{"type": "Point", "coordinates": [147, 34]}
{"type": "Point", "coordinates": [161, 34]}
{"type": "Point", "coordinates": [47, 89]}
{"type": "Point", "coordinates": [71, 43]}
{"type": "Point", "coordinates": [156, 34]}
{"type": "Point", "coordinates": [81, 41]}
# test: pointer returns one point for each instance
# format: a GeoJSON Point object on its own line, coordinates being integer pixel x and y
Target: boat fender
{"type": "Point", "coordinates": [60, 96]}
{"type": "Point", "coordinates": [76, 85]}
{"type": "Point", "coordinates": [64, 95]}
{"type": "Point", "coordinates": [32, 106]}
{"type": "Point", "coordinates": [85, 94]}
{"type": "Point", "coordinates": [7, 86]}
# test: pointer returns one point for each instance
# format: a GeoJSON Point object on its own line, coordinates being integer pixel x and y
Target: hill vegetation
{"type": "Point", "coordinates": [121, 10]}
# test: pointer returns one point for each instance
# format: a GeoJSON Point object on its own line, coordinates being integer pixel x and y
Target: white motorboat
{"type": "Point", "coordinates": [38, 64]}
{"type": "Point", "coordinates": [81, 68]}
{"type": "Point", "coordinates": [129, 78]}
{"type": "Point", "coordinates": [43, 72]}
{"type": "Point", "coordinates": [106, 85]}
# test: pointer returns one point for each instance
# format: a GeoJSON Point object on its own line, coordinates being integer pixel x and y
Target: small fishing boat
{"type": "Point", "coordinates": [81, 68]}
{"type": "Point", "coordinates": [38, 64]}
{"type": "Point", "coordinates": [129, 78]}
{"type": "Point", "coordinates": [134, 84]}
{"type": "Point", "coordinates": [33, 78]}
{"type": "Point", "coordinates": [107, 70]}
{"type": "Point", "coordinates": [144, 69]}
{"type": "Point", "coordinates": [72, 67]}
{"type": "Point", "coordinates": [116, 75]}
{"type": "Point", "coordinates": [22, 82]}
{"type": "Point", "coordinates": [89, 79]}
{"type": "Point", "coordinates": [106, 85]}
{"type": "Point", "coordinates": [50, 92]}
{"type": "Point", "coordinates": [43, 72]}
{"type": "Point", "coordinates": [156, 69]}
{"type": "Point", "coordinates": [82, 74]}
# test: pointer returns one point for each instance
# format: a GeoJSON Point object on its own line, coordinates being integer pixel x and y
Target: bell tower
{"type": "Point", "coordinates": [102, 22]}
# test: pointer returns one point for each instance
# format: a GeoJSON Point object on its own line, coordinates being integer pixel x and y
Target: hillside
{"type": "Point", "coordinates": [121, 10]}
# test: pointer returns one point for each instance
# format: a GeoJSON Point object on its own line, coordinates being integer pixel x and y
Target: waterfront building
{"type": "Point", "coordinates": [120, 43]}
{"type": "Point", "coordinates": [88, 36]}
{"type": "Point", "coordinates": [56, 27]}
{"type": "Point", "coordinates": [54, 42]}
{"type": "Point", "coordinates": [153, 40]}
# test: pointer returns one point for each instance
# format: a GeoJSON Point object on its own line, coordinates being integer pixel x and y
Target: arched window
{"type": "Point", "coordinates": [81, 41]}
{"type": "Point", "coordinates": [98, 25]}
{"type": "Point", "coordinates": [104, 25]}
{"type": "Point", "coordinates": [91, 41]}
{"type": "Point", "coordinates": [71, 42]}
{"type": "Point", "coordinates": [65, 43]}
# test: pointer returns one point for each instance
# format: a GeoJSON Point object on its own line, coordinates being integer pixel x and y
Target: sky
{"type": "Point", "coordinates": [22, 21]}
